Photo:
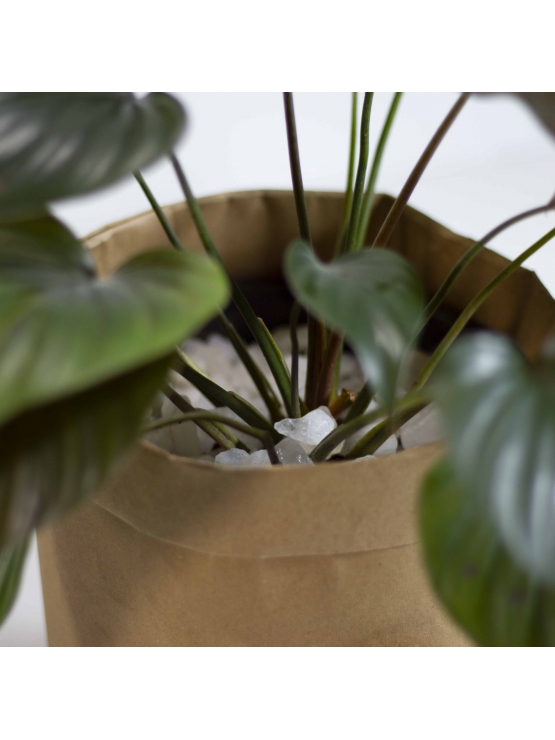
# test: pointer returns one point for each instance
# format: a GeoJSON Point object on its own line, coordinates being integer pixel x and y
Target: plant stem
{"type": "Point", "coordinates": [375, 438]}
{"type": "Point", "coordinates": [215, 430]}
{"type": "Point", "coordinates": [368, 200]}
{"type": "Point", "coordinates": [212, 390]}
{"type": "Point", "coordinates": [282, 379]}
{"type": "Point", "coordinates": [347, 204]}
{"type": "Point", "coordinates": [342, 402]}
{"type": "Point", "coordinates": [316, 331]}
{"type": "Point", "coordinates": [170, 233]}
{"type": "Point", "coordinates": [469, 255]}
{"type": "Point", "coordinates": [258, 377]}
{"type": "Point", "coordinates": [201, 415]}
{"type": "Point", "coordinates": [360, 403]}
{"type": "Point", "coordinates": [343, 432]}
{"type": "Point", "coordinates": [364, 150]}
{"type": "Point", "coordinates": [323, 389]}
{"type": "Point", "coordinates": [402, 199]}
{"type": "Point", "coordinates": [293, 323]}
{"type": "Point", "coordinates": [473, 306]}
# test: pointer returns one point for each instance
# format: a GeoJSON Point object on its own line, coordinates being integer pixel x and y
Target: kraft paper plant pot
{"type": "Point", "coordinates": [178, 552]}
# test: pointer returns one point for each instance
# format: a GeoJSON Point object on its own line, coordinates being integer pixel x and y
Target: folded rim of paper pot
{"type": "Point", "coordinates": [286, 511]}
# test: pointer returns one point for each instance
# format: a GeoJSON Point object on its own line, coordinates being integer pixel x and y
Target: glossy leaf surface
{"type": "Point", "coordinates": [499, 415]}
{"type": "Point", "coordinates": [373, 297]}
{"type": "Point", "coordinates": [62, 329]}
{"type": "Point", "coordinates": [81, 359]}
{"type": "Point", "coordinates": [12, 560]}
{"type": "Point", "coordinates": [53, 145]}
{"type": "Point", "coordinates": [497, 602]}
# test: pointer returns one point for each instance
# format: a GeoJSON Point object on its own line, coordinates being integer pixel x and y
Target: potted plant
{"type": "Point", "coordinates": [291, 530]}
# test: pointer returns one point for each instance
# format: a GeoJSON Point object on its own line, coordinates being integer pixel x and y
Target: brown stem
{"type": "Point", "coordinates": [325, 379]}
{"type": "Point", "coordinates": [402, 199]}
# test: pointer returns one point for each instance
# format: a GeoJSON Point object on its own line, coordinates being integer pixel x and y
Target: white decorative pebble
{"type": "Point", "coordinates": [423, 428]}
{"type": "Point", "coordinates": [290, 452]}
{"type": "Point", "coordinates": [260, 457]}
{"type": "Point", "coordinates": [310, 429]}
{"type": "Point", "coordinates": [235, 457]}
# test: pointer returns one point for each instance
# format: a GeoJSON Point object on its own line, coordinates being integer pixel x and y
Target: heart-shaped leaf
{"type": "Point", "coordinates": [81, 359]}
{"type": "Point", "coordinates": [63, 330]}
{"type": "Point", "coordinates": [53, 145]}
{"type": "Point", "coordinates": [499, 415]}
{"type": "Point", "coordinates": [12, 560]}
{"type": "Point", "coordinates": [497, 602]}
{"type": "Point", "coordinates": [373, 297]}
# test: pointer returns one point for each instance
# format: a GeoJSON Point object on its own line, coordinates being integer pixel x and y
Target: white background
{"type": "Point", "coordinates": [495, 162]}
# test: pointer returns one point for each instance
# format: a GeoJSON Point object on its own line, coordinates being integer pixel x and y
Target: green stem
{"type": "Point", "coordinates": [315, 330]}
{"type": "Point", "coordinates": [293, 323]}
{"type": "Point", "coordinates": [212, 390]}
{"type": "Point", "coordinates": [201, 415]}
{"type": "Point", "coordinates": [258, 377]}
{"type": "Point", "coordinates": [473, 306]}
{"type": "Point", "coordinates": [368, 201]}
{"type": "Point", "coordinates": [361, 402]}
{"type": "Point", "coordinates": [215, 430]}
{"type": "Point", "coordinates": [283, 380]}
{"type": "Point", "coordinates": [170, 233]}
{"type": "Point", "coordinates": [364, 150]}
{"type": "Point", "coordinates": [347, 204]}
{"type": "Point", "coordinates": [343, 432]}
{"type": "Point", "coordinates": [402, 199]}
{"type": "Point", "coordinates": [469, 255]}
{"type": "Point", "coordinates": [375, 438]}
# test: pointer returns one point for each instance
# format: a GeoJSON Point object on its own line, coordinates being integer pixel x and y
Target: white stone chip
{"type": "Point", "coordinates": [259, 458]}
{"type": "Point", "coordinates": [290, 452]}
{"type": "Point", "coordinates": [425, 427]}
{"type": "Point", "coordinates": [235, 457]}
{"type": "Point", "coordinates": [310, 429]}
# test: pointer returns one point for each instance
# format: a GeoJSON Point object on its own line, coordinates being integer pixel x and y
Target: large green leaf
{"type": "Point", "coordinates": [497, 602]}
{"type": "Point", "coordinates": [53, 145]}
{"type": "Point", "coordinates": [53, 456]}
{"type": "Point", "coordinates": [373, 297]}
{"type": "Point", "coordinates": [12, 560]}
{"type": "Point", "coordinates": [81, 359]}
{"type": "Point", "coordinates": [62, 329]}
{"type": "Point", "coordinates": [499, 417]}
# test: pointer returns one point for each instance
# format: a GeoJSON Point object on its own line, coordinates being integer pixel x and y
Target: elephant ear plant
{"type": "Point", "coordinates": [82, 358]}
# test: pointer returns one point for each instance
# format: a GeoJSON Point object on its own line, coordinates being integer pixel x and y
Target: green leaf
{"type": "Point", "coordinates": [497, 602]}
{"type": "Point", "coordinates": [53, 145]}
{"type": "Point", "coordinates": [62, 329]}
{"type": "Point", "coordinates": [54, 456]}
{"type": "Point", "coordinates": [499, 417]}
{"type": "Point", "coordinates": [373, 297]}
{"type": "Point", "coordinates": [81, 359]}
{"type": "Point", "coordinates": [12, 559]}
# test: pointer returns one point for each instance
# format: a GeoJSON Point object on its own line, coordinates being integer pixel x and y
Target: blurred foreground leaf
{"type": "Point", "coordinates": [81, 359]}
{"type": "Point", "coordinates": [53, 145]}
{"type": "Point", "coordinates": [373, 297]}
{"type": "Point", "coordinates": [493, 599]}
{"type": "Point", "coordinates": [12, 560]}
{"type": "Point", "coordinates": [499, 417]}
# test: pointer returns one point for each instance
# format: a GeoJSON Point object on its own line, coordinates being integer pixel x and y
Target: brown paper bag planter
{"type": "Point", "coordinates": [178, 552]}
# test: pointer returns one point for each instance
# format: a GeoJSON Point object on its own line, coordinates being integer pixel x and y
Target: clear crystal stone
{"type": "Point", "coordinates": [310, 429]}
{"type": "Point", "coordinates": [425, 427]}
{"type": "Point", "coordinates": [235, 457]}
{"type": "Point", "coordinates": [290, 452]}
